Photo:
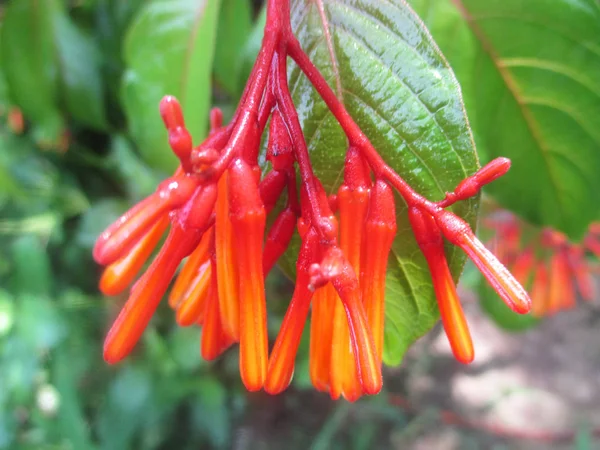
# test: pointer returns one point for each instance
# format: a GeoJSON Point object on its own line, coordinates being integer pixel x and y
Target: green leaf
{"type": "Point", "coordinates": [395, 83]}
{"type": "Point", "coordinates": [235, 24]}
{"type": "Point", "coordinates": [32, 273]}
{"type": "Point", "coordinates": [78, 59]}
{"type": "Point", "coordinates": [28, 64]}
{"type": "Point", "coordinates": [134, 175]}
{"type": "Point", "coordinates": [39, 322]}
{"type": "Point", "coordinates": [70, 425]}
{"type": "Point", "coordinates": [210, 413]}
{"type": "Point", "coordinates": [252, 46]}
{"type": "Point", "coordinates": [529, 73]}
{"type": "Point", "coordinates": [127, 402]}
{"type": "Point", "coordinates": [169, 50]}
{"type": "Point", "coordinates": [7, 312]}
{"type": "Point", "coordinates": [56, 66]}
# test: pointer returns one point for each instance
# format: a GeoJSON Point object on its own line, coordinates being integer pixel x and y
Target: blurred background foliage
{"type": "Point", "coordinates": [80, 141]}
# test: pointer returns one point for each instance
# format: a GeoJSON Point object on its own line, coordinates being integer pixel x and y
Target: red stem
{"type": "Point", "coordinates": [290, 116]}
{"type": "Point", "coordinates": [355, 135]}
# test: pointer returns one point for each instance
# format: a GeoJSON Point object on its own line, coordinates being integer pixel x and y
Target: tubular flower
{"type": "Point", "coordinates": [353, 198]}
{"type": "Point", "coordinates": [553, 269]}
{"type": "Point", "coordinates": [430, 241]}
{"type": "Point", "coordinates": [214, 209]}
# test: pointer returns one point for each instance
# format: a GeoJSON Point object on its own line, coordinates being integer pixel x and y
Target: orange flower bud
{"type": "Point", "coordinates": [321, 332]}
{"type": "Point", "coordinates": [458, 232]}
{"type": "Point", "coordinates": [431, 243]}
{"type": "Point", "coordinates": [248, 220]}
{"type": "Point", "coordinates": [122, 272]}
{"type": "Point", "coordinates": [353, 205]}
{"type": "Point", "coordinates": [562, 294]}
{"type": "Point", "coordinates": [191, 267]}
{"type": "Point", "coordinates": [539, 291]}
{"type": "Point", "coordinates": [123, 234]}
{"type": "Point", "coordinates": [281, 362]}
{"type": "Point", "coordinates": [361, 340]}
{"type": "Point", "coordinates": [147, 293]}
{"type": "Point", "coordinates": [380, 229]}
{"type": "Point", "coordinates": [192, 307]}
{"type": "Point", "coordinates": [227, 271]}
{"type": "Point", "coordinates": [214, 338]}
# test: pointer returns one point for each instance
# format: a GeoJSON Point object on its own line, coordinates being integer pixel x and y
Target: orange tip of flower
{"type": "Point", "coordinates": [453, 318]}
{"type": "Point", "coordinates": [281, 363]}
{"type": "Point", "coordinates": [363, 346]}
{"type": "Point", "coordinates": [321, 328]}
{"type": "Point", "coordinates": [191, 308]}
{"type": "Point", "coordinates": [457, 231]}
{"type": "Point", "coordinates": [191, 267]}
{"type": "Point", "coordinates": [248, 230]}
{"type": "Point", "coordinates": [146, 295]}
{"type": "Point", "coordinates": [119, 275]}
{"type": "Point", "coordinates": [123, 234]}
{"type": "Point", "coordinates": [227, 271]}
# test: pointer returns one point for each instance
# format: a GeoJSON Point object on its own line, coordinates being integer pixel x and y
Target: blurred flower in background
{"type": "Point", "coordinates": [552, 269]}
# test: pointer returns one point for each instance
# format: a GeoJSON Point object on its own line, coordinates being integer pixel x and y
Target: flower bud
{"type": "Point", "coordinates": [430, 241]}
{"type": "Point", "coordinates": [458, 232]}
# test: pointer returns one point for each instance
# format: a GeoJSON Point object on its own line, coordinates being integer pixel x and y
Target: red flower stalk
{"type": "Point", "coordinates": [431, 243]}
{"type": "Point", "coordinates": [216, 205]}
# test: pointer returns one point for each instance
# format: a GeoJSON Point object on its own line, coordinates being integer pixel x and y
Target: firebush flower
{"type": "Point", "coordinates": [553, 269]}
{"type": "Point", "coordinates": [213, 210]}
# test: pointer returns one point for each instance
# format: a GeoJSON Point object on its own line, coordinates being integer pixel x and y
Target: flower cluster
{"type": "Point", "coordinates": [215, 208]}
{"type": "Point", "coordinates": [551, 267]}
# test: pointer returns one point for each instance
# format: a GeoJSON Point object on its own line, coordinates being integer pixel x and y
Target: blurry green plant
{"type": "Point", "coordinates": [87, 77]}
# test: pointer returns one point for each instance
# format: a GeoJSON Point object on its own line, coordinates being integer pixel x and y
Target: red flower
{"type": "Point", "coordinates": [215, 207]}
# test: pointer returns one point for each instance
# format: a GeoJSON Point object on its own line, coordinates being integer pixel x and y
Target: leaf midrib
{"type": "Point", "coordinates": [330, 49]}
{"type": "Point", "coordinates": [189, 50]}
{"type": "Point", "coordinates": [511, 87]}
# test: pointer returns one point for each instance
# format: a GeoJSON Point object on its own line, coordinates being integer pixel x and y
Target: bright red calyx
{"type": "Point", "coordinates": [216, 206]}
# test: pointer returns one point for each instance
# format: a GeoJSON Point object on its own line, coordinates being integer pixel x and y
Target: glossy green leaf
{"type": "Point", "coordinates": [392, 78]}
{"type": "Point", "coordinates": [530, 77]}
{"type": "Point", "coordinates": [235, 25]}
{"type": "Point", "coordinates": [169, 50]}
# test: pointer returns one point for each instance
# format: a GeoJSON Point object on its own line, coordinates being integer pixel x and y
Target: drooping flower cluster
{"type": "Point", "coordinates": [215, 208]}
{"type": "Point", "coordinates": [552, 268]}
